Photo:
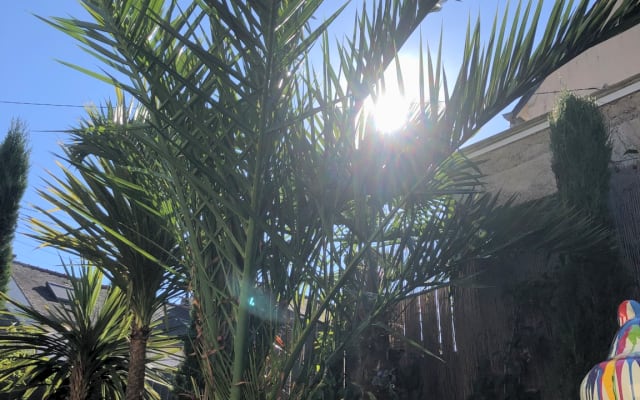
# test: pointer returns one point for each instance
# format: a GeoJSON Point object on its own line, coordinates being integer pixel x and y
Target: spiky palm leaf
{"type": "Point", "coordinates": [78, 349]}
{"type": "Point", "coordinates": [83, 339]}
{"type": "Point", "coordinates": [272, 170]}
{"type": "Point", "coordinates": [110, 213]}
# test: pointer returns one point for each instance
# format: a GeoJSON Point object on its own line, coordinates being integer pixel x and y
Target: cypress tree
{"type": "Point", "coordinates": [14, 165]}
{"type": "Point", "coordinates": [581, 151]}
{"type": "Point", "coordinates": [589, 287]}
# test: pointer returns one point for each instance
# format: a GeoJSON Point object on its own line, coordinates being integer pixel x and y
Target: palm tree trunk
{"type": "Point", "coordinates": [78, 386]}
{"type": "Point", "coordinates": [373, 372]}
{"type": "Point", "coordinates": [137, 363]}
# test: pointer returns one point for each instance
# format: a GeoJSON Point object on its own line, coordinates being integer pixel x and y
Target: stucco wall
{"type": "Point", "coordinates": [597, 68]}
{"type": "Point", "coordinates": [522, 168]}
{"type": "Point", "coordinates": [623, 117]}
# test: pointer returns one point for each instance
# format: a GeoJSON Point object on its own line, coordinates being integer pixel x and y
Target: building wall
{"type": "Point", "coordinates": [517, 163]}
{"type": "Point", "coordinates": [623, 117]}
{"type": "Point", "coordinates": [523, 167]}
{"type": "Point", "coordinates": [597, 68]}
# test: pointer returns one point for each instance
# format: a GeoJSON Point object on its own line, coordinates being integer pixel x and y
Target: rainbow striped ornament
{"type": "Point", "coordinates": [618, 378]}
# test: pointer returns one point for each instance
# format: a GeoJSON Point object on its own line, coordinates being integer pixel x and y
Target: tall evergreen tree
{"type": "Point", "coordinates": [14, 166]}
{"type": "Point", "coordinates": [589, 287]}
{"type": "Point", "coordinates": [581, 151]}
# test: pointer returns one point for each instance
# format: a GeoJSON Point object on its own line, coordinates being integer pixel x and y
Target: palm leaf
{"type": "Point", "coordinates": [271, 166]}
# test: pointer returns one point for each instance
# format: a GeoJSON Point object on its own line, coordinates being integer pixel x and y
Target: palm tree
{"type": "Point", "coordinates": [78, 351]}
{"type": "Point", "coordinates": [14, 166]}
{"type": "Point", "coordinates": [109, 214]}
{"type": "Point", "coordinates": [298, 221]}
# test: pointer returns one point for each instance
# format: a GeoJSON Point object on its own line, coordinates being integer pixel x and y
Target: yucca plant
{"type": "Point", "coordinates": [108, 213]}
{"type": "Point", "coordinates": [78, 350]}
{"type": "Point", "coordinates": [300, 225]}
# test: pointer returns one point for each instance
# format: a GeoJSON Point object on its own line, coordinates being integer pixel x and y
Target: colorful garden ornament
{"type": "Point", "coordinates": [618, 378]}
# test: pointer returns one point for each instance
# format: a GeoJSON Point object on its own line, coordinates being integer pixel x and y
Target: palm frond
{"type": "Point", "coordinates": [281, 190]}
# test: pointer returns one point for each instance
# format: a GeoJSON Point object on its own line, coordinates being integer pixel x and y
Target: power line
{"type": "Point", "coordinates": [33, 103]}
{"type": "Point", "coordinates": [67, 131]}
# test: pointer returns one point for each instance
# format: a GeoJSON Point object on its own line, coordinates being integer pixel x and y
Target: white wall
{"type": "Point", "coordinates": [599, 67]}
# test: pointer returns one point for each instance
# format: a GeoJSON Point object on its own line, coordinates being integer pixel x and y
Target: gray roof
{"type": "Point", "coordinates": [32, 282]}
{"type": "Point", "coordinates": [39, 286]}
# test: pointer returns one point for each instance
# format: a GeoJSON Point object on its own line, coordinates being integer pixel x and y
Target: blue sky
{"type": "Point", "coordinates": [29, 73]}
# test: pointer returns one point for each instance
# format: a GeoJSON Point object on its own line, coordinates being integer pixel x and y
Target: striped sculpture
{"type": "Point", "coordinates": [618, 378]}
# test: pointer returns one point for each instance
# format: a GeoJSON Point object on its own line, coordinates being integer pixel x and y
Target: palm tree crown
{"type": "Point", "coordinates": [284, 196]}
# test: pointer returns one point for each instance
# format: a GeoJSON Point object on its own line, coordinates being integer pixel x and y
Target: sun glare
{"type": "Point", "coordinates": [391, 109]}
{"type": "Point", "coordinates": [390, 112]}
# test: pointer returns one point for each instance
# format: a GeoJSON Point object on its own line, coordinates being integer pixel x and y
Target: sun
{"type": "Point", "coordinates": [391, 108]}
{"type": "Point", "coordinates": [389, 112]}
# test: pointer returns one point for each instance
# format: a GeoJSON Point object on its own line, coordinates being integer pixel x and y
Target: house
{"type": "Point", "coordinates": [518, 160]}
{"type": "Point", "coordinates": [43, 289]}
{"type": "Point", "coordinates": [39, 288]}
{"type": "Point", "coordinates": [599, 68]}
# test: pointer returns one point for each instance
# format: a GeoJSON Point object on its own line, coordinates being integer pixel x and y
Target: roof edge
{"type": "Point", "coordinates": [52, 272]}
{"type": "Point", "coordinates": [49, 271]}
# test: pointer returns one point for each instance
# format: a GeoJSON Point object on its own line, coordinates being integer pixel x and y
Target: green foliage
{"type": "Point", "coordinates": [88, 335]}
{"type": "Point", "coordinates": [576, 297]}
{"type": "Point", "coordinates": [581, 153]}
{"type": "Point", "coordinates": [588, 288]}
{"type": "Point", "coordinates": [108, 213]}
{"type": "Point", "coordinates": [295, 218]}
{"type": "Point", "coordinates": [82, 334]}
{"type": "Point", "coordinates": [14, 166]}
{"type": "Point", "coordinates": [189, 373]}
{"type": "Point", "coordinates": [9, 382]}
{"type": "Point", "coordinates": [105, 211]}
